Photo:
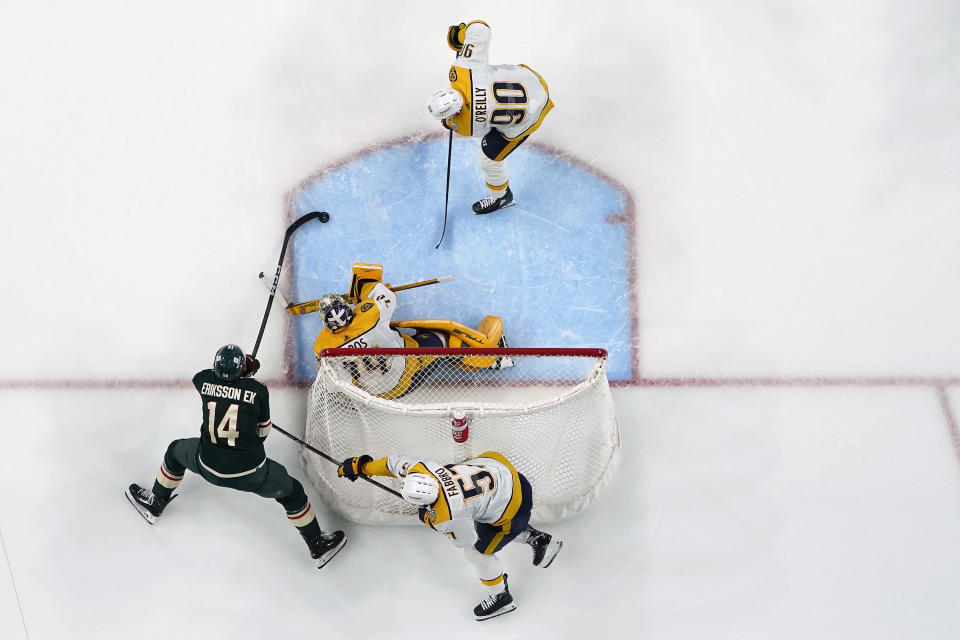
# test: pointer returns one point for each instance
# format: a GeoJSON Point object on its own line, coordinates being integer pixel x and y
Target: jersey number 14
{"type": "Point", "coordinates": [227, 428]}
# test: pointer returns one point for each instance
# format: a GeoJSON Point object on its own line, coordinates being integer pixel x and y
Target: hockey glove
{"type": "Point", "coordinates": [455, 35]}
{"type": "Point", "coordinates": [251, 366]}
{"type": "Point", "coordinates": [353, 467]}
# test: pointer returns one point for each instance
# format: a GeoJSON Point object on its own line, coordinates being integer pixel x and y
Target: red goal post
{"type": "Point", "coordinates": [549, 411]}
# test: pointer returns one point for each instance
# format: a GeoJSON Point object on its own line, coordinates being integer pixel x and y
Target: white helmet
{"type": "Point", "coordinates": [420, 489]}
{"type": "Point", "coordinates": [444, 103]}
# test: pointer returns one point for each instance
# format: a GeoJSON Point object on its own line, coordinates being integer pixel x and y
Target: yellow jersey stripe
{"type": "Point", "coordinates": [461, 79]}
{"type": "Point", "coordinates": [494, 582]}
{"type": "Point", "coordinates": [377, 468]}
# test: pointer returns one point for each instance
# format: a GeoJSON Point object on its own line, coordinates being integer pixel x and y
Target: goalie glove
{"type": "Point", "coordinates": [353, 467]}
{"type": "Point", "coordinates": [455, 36]}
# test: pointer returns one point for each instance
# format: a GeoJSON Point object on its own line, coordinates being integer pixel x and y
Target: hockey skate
{"type": "Point", "coordinates": [324, 547]}
{"type": "Point", "coordinates": [502, 362]}
{"type": "Point", "coordinates": [545, 548]}
{"type": "Point", "coordinates": [491, 204]}
{"type": "Point", "coordinates": [147, 505]}
{"type": "Point", "coordinates": [495, 604]}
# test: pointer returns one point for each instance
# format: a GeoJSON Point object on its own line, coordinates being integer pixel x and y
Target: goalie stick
{"type": "Point", "coordinates": [322, 216]}
{"type": "Point", "coordinates": [303, 308]}
{"type": "Point", "coordinates": [336, 462]}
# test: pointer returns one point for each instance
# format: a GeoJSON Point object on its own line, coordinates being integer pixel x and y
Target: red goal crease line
{"type": "Point", "coordinates": [133, 384]}
{"type": "Point", "coordinates": [938, 384]}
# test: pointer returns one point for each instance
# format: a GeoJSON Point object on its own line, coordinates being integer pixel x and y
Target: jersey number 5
{"type": "Point", "coordinates": [227, 429]}
{"type": "Point", "coordinates": [480, 482]}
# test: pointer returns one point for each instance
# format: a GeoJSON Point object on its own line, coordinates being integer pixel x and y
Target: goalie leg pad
{"type": "Point", "coordinates": [491, 328]}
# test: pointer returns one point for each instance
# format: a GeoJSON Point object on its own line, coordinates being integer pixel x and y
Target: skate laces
{"type": "Point", "coordinates": [487, 201]}
{"type": "Point", "coordinates": [489, 601]}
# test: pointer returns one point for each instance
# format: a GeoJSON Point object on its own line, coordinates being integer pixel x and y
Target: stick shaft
{"type": "Point", "coordinates": [336, 462]}
{"type": "Point", "coordinates": [446, 198]}
{"type": "Point", "coordinates": [323, 216]}
{"type": "Point", "coordinates": [302, 308]}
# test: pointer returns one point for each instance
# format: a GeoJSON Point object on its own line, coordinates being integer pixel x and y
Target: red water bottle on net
{"type": "Point", "coordinates": [459, 425]}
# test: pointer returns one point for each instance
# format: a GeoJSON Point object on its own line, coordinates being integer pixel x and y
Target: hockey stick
{"type": "Point", "coordinates": [302, 308]}
{"type": "Point", "coordinates": [266, 285]}
{"type": "Point", "coordinates": [336, 462]}
{"type": "Point", "coordinates": [323, 216]}
{"type": "Point", "coordinates": [446, 198]}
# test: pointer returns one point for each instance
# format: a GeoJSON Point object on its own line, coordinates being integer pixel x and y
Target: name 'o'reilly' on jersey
{"type": "Point", "coordinates": [236, 420]}
{"type": "Point", "coordinates": [482, 489]}
{"type": "Point", "coordinates": [512, 98]}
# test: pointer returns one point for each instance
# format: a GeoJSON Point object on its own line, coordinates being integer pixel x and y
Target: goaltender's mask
{"type": "Point", "coordinates": [335, 311]}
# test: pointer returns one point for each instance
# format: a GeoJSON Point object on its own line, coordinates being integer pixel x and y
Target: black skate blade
{"type": "Point", "coordinates": [328, 556]}
{"type": "Point", "coordinates": [507, 609]}
{"type": "Point", "coordinates": [149, 517]}
{"type": "Point", "coordinates": [506, 206]}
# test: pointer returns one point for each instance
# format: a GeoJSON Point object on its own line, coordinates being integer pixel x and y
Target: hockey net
{"type": "Point", "coordinates": [550, 414]}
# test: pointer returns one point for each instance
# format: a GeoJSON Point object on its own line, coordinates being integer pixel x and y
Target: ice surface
{"type": "Point", "coordinates": [792, 167]}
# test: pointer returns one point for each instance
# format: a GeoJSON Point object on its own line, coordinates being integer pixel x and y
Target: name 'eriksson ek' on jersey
{"type": "Point", "coordinates": [230, 393]}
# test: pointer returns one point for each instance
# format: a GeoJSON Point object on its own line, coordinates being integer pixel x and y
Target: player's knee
{"type": "Point", "coordinates": [494, 171]}
{"type": "Point", "coordinates": [292, 496]}
{"type": "Point", "coordinates": [175, 458]}
{"type": "Point", "coordinates": [489, 164]}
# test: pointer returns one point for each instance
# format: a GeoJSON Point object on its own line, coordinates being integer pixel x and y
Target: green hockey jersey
{"type": "Point", "coordinates": [236, 420]}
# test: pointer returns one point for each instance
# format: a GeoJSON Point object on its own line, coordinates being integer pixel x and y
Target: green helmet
{"type": "Point", "coordinates": [229, 362]}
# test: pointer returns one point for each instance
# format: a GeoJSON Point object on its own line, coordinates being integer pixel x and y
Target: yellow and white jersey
{"type": "Point", "coordinates": [483, 489]}
{"type": "Point", "coordinates": [514, 99]}
{"type": "Point", "coordinates": [369, 328]}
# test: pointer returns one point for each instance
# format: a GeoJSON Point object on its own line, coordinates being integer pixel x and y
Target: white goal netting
{"type": "Point", "coordinates": [550, 414]}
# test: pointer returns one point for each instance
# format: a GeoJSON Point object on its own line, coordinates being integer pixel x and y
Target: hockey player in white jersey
{"type": "Point", "coordinates": [502, 104]}
{"type": "Point", "coordinates": [480, 505]}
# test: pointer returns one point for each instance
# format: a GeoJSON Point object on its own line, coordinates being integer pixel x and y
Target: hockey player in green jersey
{"type": "Point", "coordinates": [229, 452]}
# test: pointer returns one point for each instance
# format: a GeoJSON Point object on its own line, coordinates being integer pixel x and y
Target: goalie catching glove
{"type": "Point", "coordinates": [353, 467]}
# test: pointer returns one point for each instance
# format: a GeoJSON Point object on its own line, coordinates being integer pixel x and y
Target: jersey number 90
{"type": "Point", "coordinates": [513, 94]}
